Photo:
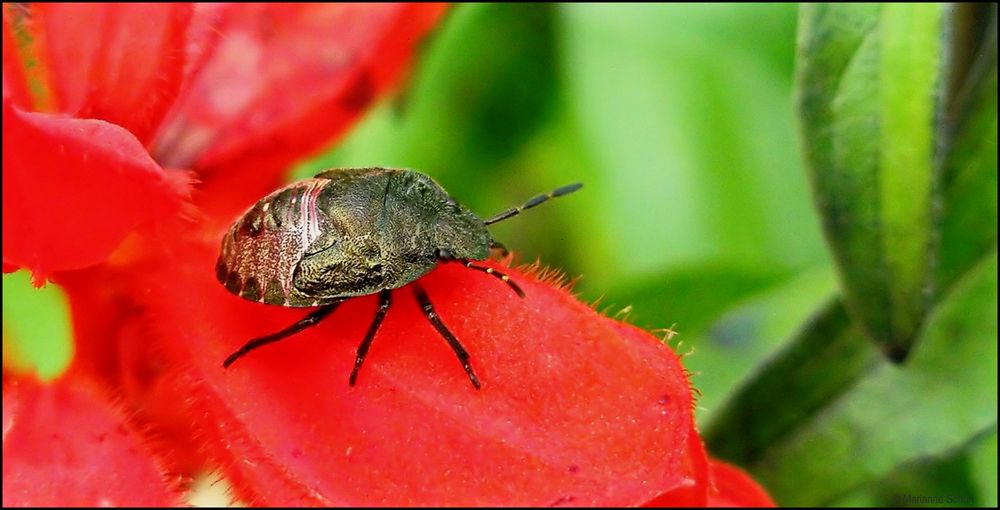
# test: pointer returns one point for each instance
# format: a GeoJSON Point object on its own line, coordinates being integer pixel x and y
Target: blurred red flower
{"type": "Point", "coordinates": [133, 135]}
{"type": "Point", "coordinates": [64, 444]}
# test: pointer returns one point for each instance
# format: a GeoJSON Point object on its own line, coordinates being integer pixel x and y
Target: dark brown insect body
{"type": "Point", "coordinates": [346, 233]}
{"type": "Point", "coordinates": [353, 232]}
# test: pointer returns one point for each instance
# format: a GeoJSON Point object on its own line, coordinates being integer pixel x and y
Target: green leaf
{"type": "Point", "coordinates": [942, 398]}
{"type": "Point", "coordinates": [948, 480]}
{"type": "Point", "coordinates": [821, 362]}
{"type": "Point", "coordinates": [983, 460]}
{"type": "Point", "coordinates": [969, 182]}
{"type": "Point", "coordinates": [689, 298]}
{"type": "Point", "coordinates": [869, 81]}
{"type": "Point", "coordinates": [745, 331]}
{"type": "Point", "coordinates": [691, 134]}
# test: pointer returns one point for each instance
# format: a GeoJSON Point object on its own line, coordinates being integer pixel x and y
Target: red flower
{"type": "Point", "coordinates": [732, 487]}
{"type": "Point", "coordinates": [73, 188]}
{"type": "Point", "coordinates": [65, 445]}
{"type": "Point", "coordinates": [102, 104]}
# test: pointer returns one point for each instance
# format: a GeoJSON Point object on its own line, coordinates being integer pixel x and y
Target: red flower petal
{"type": "Point", "coordinates": [575, 409]}
{"type": "Point", "coordinates": [112, 334]}
{"type": "Point", "coordinates": [733, 488]}
{"type": "Point", "coordinates": [121, 63]}
{"type": "Point", "coordinates": [15, 83]}
{"type": "Point", "coordinates": [73, 189]}
{"type": "Point", "coordinates": [694, 492]}
{"type": "Point", "coordinates": [280, 81]}
{"type": "Point", "coordinates": [64, 445]}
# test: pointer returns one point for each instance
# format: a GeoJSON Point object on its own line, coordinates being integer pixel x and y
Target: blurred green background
{"type": "Point", "coordinates": [697, 214]}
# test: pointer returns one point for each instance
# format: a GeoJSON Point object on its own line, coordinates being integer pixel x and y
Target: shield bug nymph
{"type": "Point", "coordinates": [353, 232]}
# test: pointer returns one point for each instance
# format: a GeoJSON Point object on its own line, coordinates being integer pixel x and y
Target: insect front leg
{"type": "Point", "coordinates": [308, 321]}
{"type": "Point", "coordinates": [463, 355]}
{"type": "Point", "coordinates": [490, 271]}
{"type": "Point", "coordinates": [497, 245]}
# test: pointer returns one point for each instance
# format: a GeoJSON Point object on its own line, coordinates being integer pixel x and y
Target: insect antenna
{"type": "Point", "coordinates": [533, 201]}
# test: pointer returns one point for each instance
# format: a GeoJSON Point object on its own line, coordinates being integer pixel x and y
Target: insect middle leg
{"type": "Point", "coordinates": [463, 355]}
{"type": "Point", "coordinates": [308, 321]}
{"type": "Point", "coordinates": [385, 300]}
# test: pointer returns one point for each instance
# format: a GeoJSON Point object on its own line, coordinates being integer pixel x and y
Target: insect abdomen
{"type": "Point", "coordinates": [261, 250]}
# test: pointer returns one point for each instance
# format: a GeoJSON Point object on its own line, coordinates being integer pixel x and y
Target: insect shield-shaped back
{"type": "Point", "coordinates": [345, 233]}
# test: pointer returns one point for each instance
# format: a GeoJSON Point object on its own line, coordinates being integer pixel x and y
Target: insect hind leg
{"type": "Point", "coordinates": [306, 322]}
{"type": "Point", "coordinates": [432, 316]}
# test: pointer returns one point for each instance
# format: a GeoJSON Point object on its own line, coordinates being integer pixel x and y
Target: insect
{"type": "Point", "coordinates": [353, 232]}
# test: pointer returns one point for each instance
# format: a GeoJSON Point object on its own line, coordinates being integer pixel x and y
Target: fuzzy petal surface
{"type": "Point", "coordinates": [575, 409]}
{"type": "Point", "coordinates": [74, 188]}
{"type": "Point", "coordinates": [64, 444]}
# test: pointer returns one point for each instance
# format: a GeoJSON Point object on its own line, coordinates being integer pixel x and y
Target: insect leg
{"type": "Point", "coordinates": [385, 299]}
{"type": "Point", "coordinates": [497, 245]}
{"type": "Point", "coordinates": [308, 321]}
{"type": "Point", "coordinates": [489, 270]}
{"type": "Point", "coordinates": [463, 355]}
